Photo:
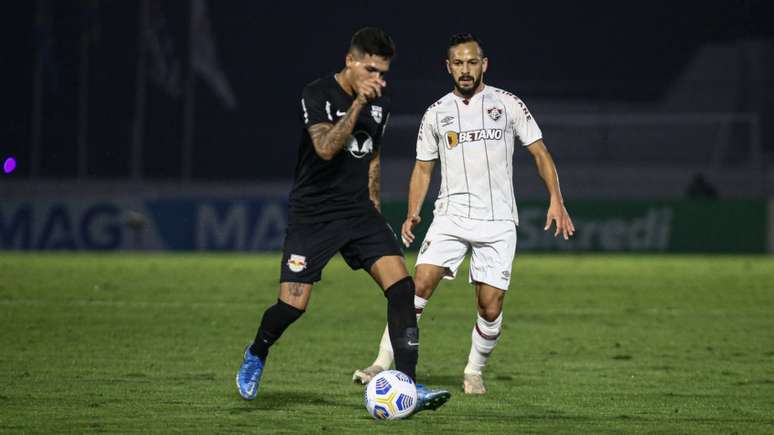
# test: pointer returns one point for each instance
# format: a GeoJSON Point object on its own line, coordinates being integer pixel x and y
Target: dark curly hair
{"type": "Point", "coordinates": [373, 41]}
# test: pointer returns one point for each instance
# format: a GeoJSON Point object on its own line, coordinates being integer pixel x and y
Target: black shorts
{"type": "Point", "coordinates": [361, 240]}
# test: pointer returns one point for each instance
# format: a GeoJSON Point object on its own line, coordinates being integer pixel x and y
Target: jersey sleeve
{"type": "Point", "coordinates": [427, 139]}
{"type": "Point", "coordinates": [314, 107]}
{"type": "Point", "coordinates": [524, 125]}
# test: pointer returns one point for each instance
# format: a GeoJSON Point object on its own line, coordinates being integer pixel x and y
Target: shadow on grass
{"type": "Point", "coordinates": [454, 381]}
{"type": "Point", "coordinates": [553, 415]}
{"type": "Point", "coordinates": [440, 381]}
{"type": "Point", "coordinates": [281, 400]}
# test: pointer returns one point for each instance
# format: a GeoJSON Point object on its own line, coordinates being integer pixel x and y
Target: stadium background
{"type": "Point", "coordinates": [140, 127]}
{"type": "Point", "coordinates": [174, 125]}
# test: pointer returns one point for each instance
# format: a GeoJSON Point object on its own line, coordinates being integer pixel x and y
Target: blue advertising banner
{"type": "Point", "coordinates": [257, 223]}
{"type": "Point", "coordinates": [188, 224]}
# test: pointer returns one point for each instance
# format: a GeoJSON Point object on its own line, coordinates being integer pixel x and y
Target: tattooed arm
{"type": "Point", "coordinates": [375, 180]}
{"type": "Point", "coordinates": [330, 139]}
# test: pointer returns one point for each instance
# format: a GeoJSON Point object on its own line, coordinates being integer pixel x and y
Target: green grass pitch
{"type": "Point", "coordinates": [592, 344]}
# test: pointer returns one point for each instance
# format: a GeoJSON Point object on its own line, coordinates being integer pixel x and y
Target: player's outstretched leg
{"type": "Point", "coordinates": [274, 322]}
{"type": "Point", "coordinates": [404, 336]}
{"type": "Point", "coordinates": [402, 325]}
{"type": "Point", "coordinates": [382, 362]}
{"type": "Point", "coordinates": [484, 339]}
{"type": "Point", "coordinates": [385, 357]}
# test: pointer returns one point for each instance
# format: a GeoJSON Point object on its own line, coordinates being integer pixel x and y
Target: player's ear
{"type": "Point", "coordinates": [448, 66]}
{"type": "Point", "coordinates": [349, 59]}
{"type": "Point", "coordinates": [484, 64]}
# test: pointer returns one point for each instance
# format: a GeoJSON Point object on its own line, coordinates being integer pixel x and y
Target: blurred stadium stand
{"type": "Point", "coordinates": [150, 97]}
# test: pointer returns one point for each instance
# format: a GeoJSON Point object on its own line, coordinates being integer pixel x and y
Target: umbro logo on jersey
{"type": "Point", "coordinates": [447, 121]}
{"type": "Point", "coordinates": [454, 138]}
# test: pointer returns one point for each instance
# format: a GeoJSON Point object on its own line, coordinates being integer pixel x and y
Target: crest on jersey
{"type": "Point", "coordinates": [360, 144]}
{"type": "Point", "coordinates": [296, 263]}
{"type": "Point", "coordinates": [494, 113]}
{"type": "Point", "coordinates": [376, 113]}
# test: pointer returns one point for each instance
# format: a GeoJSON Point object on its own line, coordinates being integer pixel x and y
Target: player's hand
{"type": "Point", "coordinates": [369, 88]}
{"type": "Point", "coordinates": [557, 213]}
{"type": "Point", "coordinates": [405, 230]}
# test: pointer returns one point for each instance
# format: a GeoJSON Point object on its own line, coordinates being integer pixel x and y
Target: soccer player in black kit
{"type": "Point", "coordinates": [334, 207]}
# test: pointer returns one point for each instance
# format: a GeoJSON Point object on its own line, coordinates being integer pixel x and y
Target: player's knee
{"type": "Point", "coordinates": [425, 284]}
{"type": "Point", "coordinates": [490, 313]}
{"type": "Point", "coordinates": [424, 287]}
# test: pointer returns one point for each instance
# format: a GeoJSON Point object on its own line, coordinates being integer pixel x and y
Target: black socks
{"type": "Point", "coordinates": [401, 319]}
{"type": "Point", "coordinates": [275, 320]}
{"type": "Point", "coordinates": [402, 322]}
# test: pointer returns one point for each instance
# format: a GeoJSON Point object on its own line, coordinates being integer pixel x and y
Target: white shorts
{"type": "Point", "coordinates": [493, 242]}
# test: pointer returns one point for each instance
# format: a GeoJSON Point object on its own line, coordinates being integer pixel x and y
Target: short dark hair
{"type": "Point", "coordinates": [374, 41]}
{"type": "Point", "coordinates": [461, 38]}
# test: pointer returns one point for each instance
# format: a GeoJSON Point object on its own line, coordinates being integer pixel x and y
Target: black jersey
{"type": "Point", "coordinates": [325, 190]}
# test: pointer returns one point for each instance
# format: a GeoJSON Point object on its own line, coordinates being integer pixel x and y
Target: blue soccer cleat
{"type": "Point", "coordinates": [248, 377]}
{"type": "Point", "coordinates": [430, 399]}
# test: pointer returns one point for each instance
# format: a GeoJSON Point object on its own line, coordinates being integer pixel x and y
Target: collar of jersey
{"type": "Point", "coordinates": [461, 99]}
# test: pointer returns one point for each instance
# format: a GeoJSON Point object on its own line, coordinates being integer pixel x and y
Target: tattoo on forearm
{"type": "Point", "coordinates": [317, 133]}
{"type": "Point", "coordinates": [330, 139]}
{"type": "Point", "coordinates": [375, 183]}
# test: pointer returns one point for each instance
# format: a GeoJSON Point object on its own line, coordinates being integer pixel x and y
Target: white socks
{"type": "Point", "coordinates": [484, 339]}
{"type": "Point", "coordinates": [419, 306]}
{"type": "Point", "coordinates": [385, 357]}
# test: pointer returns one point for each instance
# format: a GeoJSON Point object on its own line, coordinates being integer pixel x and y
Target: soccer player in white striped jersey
{"type": "Point", "coordinates": [472, 131]}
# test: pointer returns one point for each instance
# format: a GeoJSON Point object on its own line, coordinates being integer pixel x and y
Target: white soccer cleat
{"type": "Point", "coordinates": [473, 384]}
{"type": "Point", "coordinates": [365, 375]}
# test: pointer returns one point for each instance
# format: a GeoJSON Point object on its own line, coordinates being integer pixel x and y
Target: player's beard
{"type": "Point", "coordinates": [468, 92]}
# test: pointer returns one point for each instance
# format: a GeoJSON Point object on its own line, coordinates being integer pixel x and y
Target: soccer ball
{"type": "Point", "coordinates": [390, 395]}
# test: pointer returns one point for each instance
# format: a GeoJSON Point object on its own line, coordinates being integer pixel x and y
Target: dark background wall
{"type": "Point", "coordinates": [569, 52]}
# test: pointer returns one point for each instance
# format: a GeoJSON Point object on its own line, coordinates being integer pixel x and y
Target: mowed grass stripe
{"type": "Point", "coordinates": [591, 344]}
